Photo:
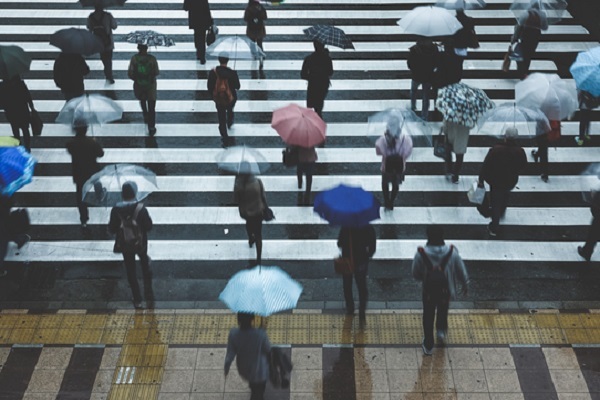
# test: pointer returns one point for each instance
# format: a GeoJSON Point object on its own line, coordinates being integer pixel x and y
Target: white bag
{"type": "Point", "coordinates": [476, 194]}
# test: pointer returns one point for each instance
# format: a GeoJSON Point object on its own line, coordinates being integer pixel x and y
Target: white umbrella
{"type": "Point", "coordinates": [555, 97]}
{"type": "Point", "coordinates": [89, 109]}
{"type": "Point", "coordinates": [242, 159]}
{"type": "Point", "coordinates": [235, 48]}
{"type": "Point", "coordinates": [461, 4]}
{"type": "Point", "coordinates": [429, 21]}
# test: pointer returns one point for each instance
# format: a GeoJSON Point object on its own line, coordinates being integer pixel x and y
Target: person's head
{"type": "Point", "coordinates": [245, 320]}
{"type": "Point", "coordinates": [435, 235]}
{"type": "Point", "coordinates": [142, 48]}
{"type": "Point", "coordinates": [318, 45]}
{"type": "Point", "coordinates": [223, 58]}
{"type": "Point", "coordinates": [393, 127]}
{"type": "Point", "coordinates": [129, 191]}
{"type": "Point", "coordinates": [511, 133]}
{"type": "Point", "coordinates": [98, 8]}
{"type": "Point", "coordinates": [80, 129]}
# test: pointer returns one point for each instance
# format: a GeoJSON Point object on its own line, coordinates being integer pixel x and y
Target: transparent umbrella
{"type": "Point", "coordinates": [590, 182]}
{"type": "Point", "coordinates": [89, 109]}
{"type": "Point", "coordinates": [104, 187]}
{"type": "Point", "coordinates": [407, 122]}
{"type": "Point", "coordinates": [538, 13]}
{"type": "Point", "coordinates": [236, 48]}
{"type": "Point", "coordinates": [528, 121]}
{"type": "Point", "coordinates": [242, 160]}
{"type": "Point", "coordinates": [461, 4]}
{"type": "Point", "coordinates": [555, 97]}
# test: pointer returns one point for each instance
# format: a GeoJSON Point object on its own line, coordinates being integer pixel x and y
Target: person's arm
{"type": "Point", "coordinates": [263, 195]}
{"type": "Point", "coordinates": [156, 69]}
{"type": "Point", "coordinates": [211, 81]}
{"type": "Point", "coordinates": [516, 33]}
{"type": "Point", "coordinates": [113, 22]}
{"type": "Point", "coordinates": [304, 72]}
{"type": "Point", "coordinates": [484, 169]}
{"type": "Point", "coordinates": [461, 271]}
{"type": "Point", "coordinates": [247, 17]}
{"type": "Point", "coordinates": [231, 353]}
{"type": "Point", "coordinates": [28, 97]}
{"type": "Point", "coordinates": [131, 69]}
{"type": "Point", "coordinates": [417, 267]}
{"type": "Point", "coordinates": [329, 66]}
{"type": "Point", "coordinates": [145, 220]}
{"type": "Point", "coordinates": [263, 13]}
{"type": "Point", "coordinates": [236, 81]}
{"type": "Point", "coordinates": [115, 221]}
{"type": "Point", "coordinates": [89, 24]}
{"type": "Point", "coordinates": [99, 150]}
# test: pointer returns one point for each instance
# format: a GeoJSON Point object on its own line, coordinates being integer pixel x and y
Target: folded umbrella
{"type": "Point", "coordinates": [461, 4]}
{"type": "Point", "coordinates": [16, 169]}
{"type": "Point", "coordinates": [586, 71]}
{"type": "Point", "coordinates": [262, 291]}
{"type": "Point", "coordinates": [236, 48]}
{"type": "Point", "coordinates": [462, 104]}
{"type": "Point", "coordinates": [555, 97]}
{"type": "Point", "coordinates": [429, 21]}
{"type": "Point", "coordinates": [77, 41]}
{"type": "Point", "coordinates": [299, 126]}
{"type": "Point", "coordinates": [150, 38]}
{"type": "Point", "coordinates": [89, 109]}
{"type": "Point", "coordinates": [330, 35]}
{"type": "Point", "coordinates": [102, 3]}
{"type": "Point", "coordinates": [242, 160]}
{"type": "Point", "coordinates": [527, 121]}
{"type": "Point", "coordinates": [406, 121]}
{"type": "Point", "coordinates": [104, 187]}
{"type": "Point", "coordinates": [347, 206]}
{"type": "Point", "coordinates": [13, 61]}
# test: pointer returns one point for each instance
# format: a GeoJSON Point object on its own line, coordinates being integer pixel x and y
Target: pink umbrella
{"type": "Point", "coordinates": [299, 126]}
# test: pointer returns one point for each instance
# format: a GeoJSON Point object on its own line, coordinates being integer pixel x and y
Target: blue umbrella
{"type": "Point", "coordinates": [347, 206]}
{"type": "Point", "coordinates": [16, 169]}
{"type": "Point", "coordinates": [262, 291]}
{"type": "Point", "coordinates": [586, 71]}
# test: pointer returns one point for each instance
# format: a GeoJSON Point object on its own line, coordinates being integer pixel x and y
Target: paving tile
{"type": "Point", "coordinates": [4, 352]}
{"type": "Point", "coordinates": [574, 396]}
{"type": "Point", "coordinates": [207, 396]}
{"type": "Point", "coordinates": [181, 358]}
{"type": "Point", "coordinates": [213, 358]}
{"type": "Point", "coordinates": [437, 381]}
{"type": "Point", "coordinates": [469, 381]}
{"type": "Point", "coordinates": [208, 381]}
{"type": "Point", "coordinates": [440, 396]}
{"type": "Point", "coordinates": [473, 396]}
{"type": "Point", "coordinates": [177, 381]}
{"type": "Point", "coordinates": [173, 396]}
{"type": "Point", "coordinates": [465, 358]}
{"type": "Point", "coordinates": [440, 359]}
{"type": "Point", "coordinates": [39, 396]}
{"type": "Point", "coordinates": [401, 358]}
{"type": "Point", "coordinates": [234, 383]}
{"type": "Point", "coordinates": [369, 358]}
{"type": "Point", "coordinates": [497, 358]}
{"type": "Point", "coordinates": [372, 396]}
{"type": "Point", "coordinates": [507, 396]}
{"type": "Point", "coordinates": [45, 380]}
{"type": "Point", "coordinates": [371, 381]}
{"type": "Point", "coordinates": [406, 396]}
{"type": "Point", "coordinates": [404, 381]}
{"type": "Point", "coordinates": [103, 381]}
{"type": "Point", "coordinates": [502, 380]}
{"type": "Point", "coordinates": [306, 381]}
{"type": "Point", "coordinates": [307, 358]}
{"type": "Point", "coordinates": [560, 358]}
{"type": "Point", "coordinates": [568, 381]}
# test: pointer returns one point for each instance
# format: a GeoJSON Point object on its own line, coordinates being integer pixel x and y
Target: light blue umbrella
{"type": "Point", "coordinates": [586, 71]}
{"type": "Point", "coordinates": [16, 169]}
{"type": "Point", "coordinates": [262, 291]}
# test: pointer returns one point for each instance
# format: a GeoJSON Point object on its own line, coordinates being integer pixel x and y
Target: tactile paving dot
{"type": "Point", "coordinates": [547, 321]}
{"type": "Point", "coordinates": [118, 321]}
{"type": "Point", "coordinates": [208, 321]}
{"type": "Point", "coordinates": [390, 336]}
{"type": "Point", "coordinates": [278, 322]}
{"type": "Point", "coordinates": [458, 321]}
{"type": "Point", "coordinates": [551, 336]}
{"type": "Point", "coordinates": [90, 336]}
{"type": "Point", "coordinates": [186, 321]}
{"type": "Point", "coordinates": [483, 336]}
{"type": "Point", "coordinates": [182, 336]}
{"type": "Point", "coordinates": [591, 320]}
{"type": "Point", "coordinates": [480, 321]}
{"type": "Point", "coordinates": [410, 321]}
{"type": "Point", "coordinates": [50, 321]}
{"type": "Point", "coordinates": [67, 336]}
{"type": "Point", "coordinates": [576, 336]}
{"type": "Point", "coordinates": [459, 336]}
{"type": "Point", "coordinates": [299, 322]}
{"type": "Point", "coordinates": [525, 321]}
{"type": "Point", "coordinates": [205, 336]}
{"type": "Point", "coordinates": [502, 321]}
{"type": "Point", "coordinates": [528, 336]}
{"type": "Point", "coordinates": [506, 336]}
{"type": "Point", "coordinates": [298, 336]}
{"type": "Point", "coordinates": [94, 321]}
{"type": "Point", "coordinates": [569, 321]}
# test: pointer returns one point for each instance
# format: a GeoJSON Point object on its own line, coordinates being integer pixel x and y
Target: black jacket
{"type": "Point", "coordinates": [126, 209]}
{"type": "Point", "coordinates": [422, 61]}
{"type": "Point", "coordinates": [317, 68]}
{"type": "Point", "coordinates": [363, 243]}
{"type": "Point", "coordinates": [69, 70]}
{"type": "Point", "coordinates": [16, 98]}
{"type": "Point", "coordinates": [450, 69]}
{"type": "Point", "coordinates": [84, 154]}
{"type": "Point", "coordinates": [502, 165]}
{"type": "Point", "coordinates": [199, 14]}
{"type": "Point", "coordinates": [461, 39]}
{"type": "Point", "coordinates": [224, 72]}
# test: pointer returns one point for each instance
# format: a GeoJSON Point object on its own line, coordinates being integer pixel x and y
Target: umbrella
{"type": "Point", "coordinates": [429, 21]}
{"type": "Point", "coordinates": [236, 48]}
{"type": "Point", "coordinates": [299, 126]}
{"type": "Point", "coordinates": [462, 104]}
{"type": "Point", "coordinates": [77, 41]}
{"type": "Point", "coordinates": [330, 35]}
{"type": "Point", "coordinates": [89, 109]}
{"type": "Point", "coordinates": [16, 169]}
{"type": "Point", "coordinates": [242, 160]}
{"type": "Point", "coordinates": [13, 61]}
{"type": "Point", "coordinates": [586, 71]}
{"type": "Point", "coordinates": [261, 290]}
{"type": "Point", "coordinates": [538, 13]}
{"type": "Point", "coordinates": [460, 4]}
{"type": "Point", "coordinates": [150, 38]}
{"type": "Point", "coordinates": [8, 141]}
{"type": "Point", "coordinates": [528, 121]}
{"type": "Point", "coordinates": [104, 187]}
{"type": "Point", "coordinates": [347, 206]}
{"type": "Point", "coordinates": [590, 182]}
{"type": "Point", "coordinates": [555, 97]}
{"type": "Point", "coordinates": [102, 3]}
{"type": "Point", "coordinates": [407, 122]}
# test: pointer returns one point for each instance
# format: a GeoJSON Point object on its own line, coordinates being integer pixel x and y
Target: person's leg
{"type": "Point", "coordinates": [257, 390]}
{"type": "Point", "coordinates": [441, 320]}
{"type": "Point", "coordinates": [385, 188]}
{"type": "Point", "coordinates": [495, 205]}
{"type": "Point", "coordinates": [360, 277]}
{"type": "Point", "coordinates": [426, 93]}
{"type": "Point", "coordinates": [395, 181]}
{"type": "Point", "coordinates": [503, 197]}
{"type": "Point", "coordinates": [222, 116]}
{"type": "Point", "coordinates": [129, 259]}
{"type": "Point", "coordinates": [147, 277]}
{"type": "Point", "coordinates": [254, 227]}
{"type": "Point", "coordinates": [299, 171]}
{"type": "Point", "coordinates": [152, 114]}
{"type": "Point", "coordinates": [592, 238]}
{"type": "Point", "coordinates": [347, 284]}
{"type": "Point", "coordinates": [15, 130]}
{"type": "Point", "coordinates": [542, 153]}
{"type": "Point", "coordinates": [26, 138]}
{"type": "Point", "coordinates": [230, 114]}
{"type": "Point", "coordinates": [449, 165]}
{"type": "Point", "coordinates": [200, 44]}
{"type": "Point", "coordinates": [308, 171]}
{"type": "Point", "coordinates": [428, 318]}
{"type": "Point", "coordinates": [585, 118]}
{"type": "Point", "coordinates": [83, 209]}
{"type": "Point", "coordinates": [144, 105]}
{"type": "Point", "coordinates": [414, 86]}
{"type": "Point", "coordinates": [106, 58]}
{"type": "Point", "coordinates": [457, 167]}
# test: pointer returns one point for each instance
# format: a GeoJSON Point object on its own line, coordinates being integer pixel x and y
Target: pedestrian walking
{"type": "Point", "coordinates": [199, 19]}
{"type": "Point", "coordinates": [307, 158]}
{"type": "Point", "coordinates": [528, 32]}
{"type": "Point", "coordinates": [101, 23]}
{"type": "Point", "coordinates": [593, 235]}
{"type": "Point", "coordinates": [223, 84]}
{"type": "Point", "coordinates": [587, 103]}
{"type": "Point", "coordinates": [457, 136]}
{"type": "Point", "coordinates": [143, 70]}
{"type": "Point", "coordinates": [7, 232]}
{"type": "Point", "coordinates": [422, 61]}
{"type": "Point", "coordinates": [251, 347]}
{"type": "Point", "coordinates": [441, 269]}
{"type": "Point", "coordinates": [84, 152]}
{"type": "Point", "coordinates": [394, 149]}
{"type": "Point", "coordinates": [249, 195]}
{"type": "Point", "coordinates": [543, 142]}
{"type": "Point", "coordinates": [449, 67]}
{"type": "Point", "coordinates": [18, 104]}
{"type": "Point", "coordinates": [359, 244]}
{"type": "Point", "coordinates": [132, 241]}
{"type": "Point", "coordinates": [69, 70]}
{"type": "Point", "coordinates": [255, 16]}
{"type": "Point", "coordinates": [466, 37]}
{"type": "Point", "coordinates": [501, 168]}
{"type": "Point", "coordinates": [317, 69]}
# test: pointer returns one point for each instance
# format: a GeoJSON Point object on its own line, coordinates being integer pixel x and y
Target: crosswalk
{"type": "Point", "coordinates": [195, 218]}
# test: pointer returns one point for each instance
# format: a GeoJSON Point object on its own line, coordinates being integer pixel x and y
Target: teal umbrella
{"type": "Point", "coordinates": [13, 61]}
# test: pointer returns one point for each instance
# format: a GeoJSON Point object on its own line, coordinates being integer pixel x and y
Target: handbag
{"type": "Point", "coordinates": [290, 156]}
{"type": "Point", "coordinates": [211, 34]}
{"type": "Point", "coordinates": [476, 193]}
{"type": "Point", "coordinates": [36, 123]}
{"type": "Point", "coordinates": [18, 221]}
{"type": "Point", "coordinates": [268, 214]}
{"type": "Point", "coordinates": [344, 265]}
{"type": "Point", "coordinates": [441, 148]}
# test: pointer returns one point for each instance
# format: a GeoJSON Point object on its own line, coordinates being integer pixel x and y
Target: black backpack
{"type": "Point", "coordinates": [436, 280]}
{"type": "Point", "coordinates": [99, 30]}
{"type": "Point", "coordinates": [129, 236]}
{"type": "Point", "coordinates": [394, 163]}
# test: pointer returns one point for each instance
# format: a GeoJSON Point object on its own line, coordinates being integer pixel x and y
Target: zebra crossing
{"type": "Point", "coordinates": [195, 219]}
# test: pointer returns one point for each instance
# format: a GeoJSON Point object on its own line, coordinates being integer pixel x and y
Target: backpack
{"type": "Point", "coordinates": [143, 76]}
{"type": "Point", "coordinates": [436, 280]}
{"type": "Point", "coordinates": [222, 94]}
{"type": "Point", "coordinates": [99, 30]}
{"type": "Point", "coordinates": [394, 163]}
{"type": "Point", "coordinates": [129, 235]}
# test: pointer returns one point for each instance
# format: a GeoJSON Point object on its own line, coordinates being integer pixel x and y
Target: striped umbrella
{"type": "Point", "coordinates": [262, 291]}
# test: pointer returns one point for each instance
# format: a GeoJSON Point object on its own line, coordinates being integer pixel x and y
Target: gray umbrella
{"type": "Point", "coordinates": [77, 41]}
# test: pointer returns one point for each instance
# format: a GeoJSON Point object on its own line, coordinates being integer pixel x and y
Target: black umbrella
{"type": "Point", "coordinates": [330, 35]}
{"type": "Point", "coordinates": [102, 3]}
{"type": "Point", "coordinates": [77, 41]}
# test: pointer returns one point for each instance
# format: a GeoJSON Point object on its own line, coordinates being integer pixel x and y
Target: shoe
{"type": "Point", "coordinates": [579, 141]}
{"type": "Point", "coordinates": [362, 320]}
{"type": "Point", "coordinates": [137, 305]}
{"type": "Point", "coordinates": [299, 183]}
{"type": "Point", "coordinates": [84, 225]}
{"type": "Point", "coordinates": [152, 131]}
{"type": "Point", "coordinates": [583, 254]}
{"type": "Point", "coordinates": [111, 81]}
{"type": "Point", "coordinates": [544, 177]}
{"type": "Point", "coordinates": [3, 273]}
{"type": "Point", "coordinates": [441, 336]}
{"type": "Point", "coordinates": [455, 179]}
{"type": "Point", "coordinates": [24, 240]}
{"type": "Point", "coordinates": [426, 351]}
{"type": "Point", "coordinates": [229, 125]}
{"type": "Point", "coordinates": [492, 231]}
{"type": "Point", "coordinates": [449, 177]}
{"type": "Point", "coordinates": [251, 241]}
{"type": "Point", "coordinates": [203, 61]}
{"type": "Point", "coordinates": [349, 310]}
{"type": "Point", "coordinates": [535, 155]}
{"type": "Point", "coordinates": [224, 143]}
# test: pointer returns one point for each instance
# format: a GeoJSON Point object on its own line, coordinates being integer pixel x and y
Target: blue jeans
{"type": "Point", "coordinates": [414, 85]}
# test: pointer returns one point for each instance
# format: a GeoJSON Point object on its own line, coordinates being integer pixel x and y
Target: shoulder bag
{"type": "Point", "coordinates": [441, 148]}
{"type": "Point", "coordinates": [344, 265]}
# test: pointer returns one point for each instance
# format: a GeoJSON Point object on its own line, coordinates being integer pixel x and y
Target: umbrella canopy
{"type": "Point", "coordinates": [555, 97]}
{"type": "Point", "coordinates": [527, 121]}
{"type": "Point", "coordinates": [461, 4]}
{"type": "Point", "coordinates": [8, 141]}
{"type": "Point", "coordinates": [262, 291]}
{"type": "Point", "coordinates": [538, 13]}
{"type": "Point", "coordinates": [462, 104]}
{"type": "Point", "coordinates": [77, 41]}
{"type": "Point", "coordinates": [16, 169]}
{"type": "Point", "coordinates": [89, 109]}
{"type": "Point", "coordinates": [13, 61]}
{"type": "Point", "coordinates": [102, 3]}
{"type": "Point", "coordinates": [299, 126]}
{"type": "Point", "coordinates": [401, 121]}
{"type": "Point", "coordinates": [104, 187]}
{"type": "Point", "coordinates": [330, 35]}
{"type": "Point", "coordinates": [590, 182]}
{"type": "Point", "coordinates": [150, 38]}
{"type": "Point", "coordinates": [242, 160]}
{"type": "Point", "coordinates": [586, 71]}
{"type": "Point", "coordinates": [347, 206]}
{"type": "Point", "coordinates": [429, 21]}
{"type": "Point", "coordinates": [236, 48]}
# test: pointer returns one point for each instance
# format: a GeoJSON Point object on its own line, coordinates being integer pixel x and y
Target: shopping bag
{"type": "Point", "coordinates": [441, 148]}
{"type": "Point", "coordinates": [211, 34]}
{"type": "Point", "coordinates": [476, 194]}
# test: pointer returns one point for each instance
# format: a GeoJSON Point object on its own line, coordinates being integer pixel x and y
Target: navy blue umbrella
{"type": "Point", "coordinates": [347, 206]}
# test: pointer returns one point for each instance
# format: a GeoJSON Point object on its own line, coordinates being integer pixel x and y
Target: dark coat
{"type": "Point", "coordinates": [199, 16]}
{"type": "Point", "coordinates": [125, 209]}
{"type": "Point", "coordinates": [84, 154]}
{"type": "Point", "coordinates": [529, 31]}
{"type": "Point", "coordinates": [363, 243]}
{"type": "Point", "coordinates": [17, 102]}
{"type": "Point", "coordinates": [502, 165]}
{"type": "Point", "coordinates": [255, 16]}
{"type": "Point", "coordinates": [462, 38]}
{"type": "Point", "coordinates": [69, 70]}
{"type": "Point", "coordinates": [450, 69]}
{"type": "Point", "coordinates": [422, 61]}
{"type": "Point", "coordinates": [226, 73]}
{"type": "Point", "coordinates": [317, 68]}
